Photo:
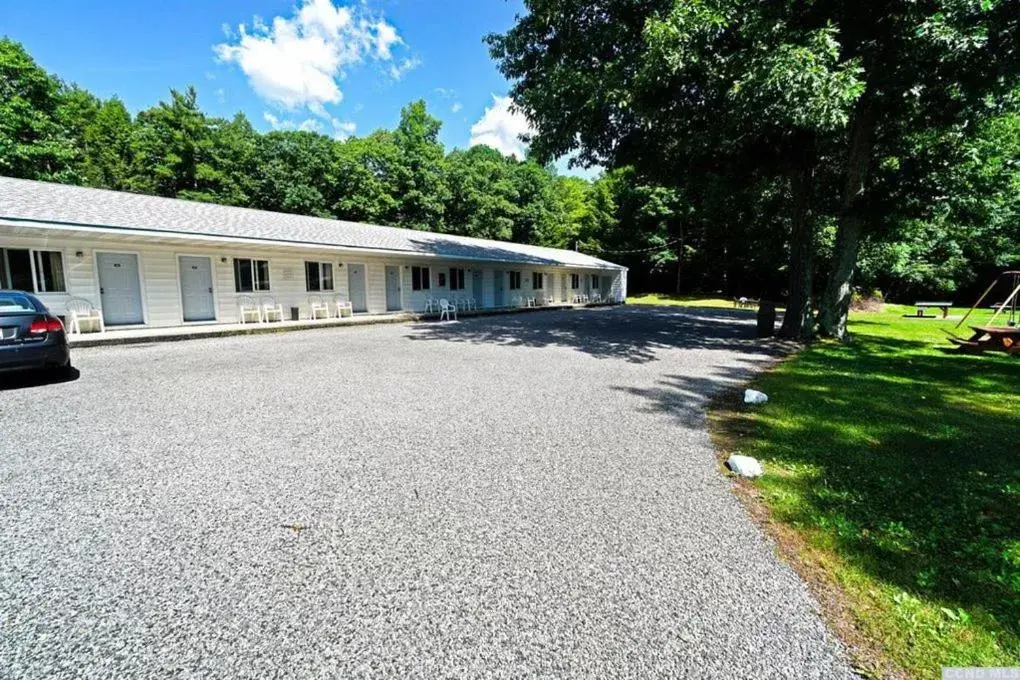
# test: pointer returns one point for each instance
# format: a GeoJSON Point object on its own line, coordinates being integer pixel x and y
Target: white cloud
{"type": "Point", "coordinates": [307, 125]}
{"type": "Point", "coordinates": [501, 128]}
{"type": "Point", "coordinates": [385, 38]}
{"type": "Point", "coordinates": [457, 106]}
{"type": "Point", "coordinates": [398, 71]}
{"type": "Point", "coordinates": [341, 129]}
{"type": "Point", "coordinates": [300, 61]}
{"type": "Point", "coordinates": [445, 92]}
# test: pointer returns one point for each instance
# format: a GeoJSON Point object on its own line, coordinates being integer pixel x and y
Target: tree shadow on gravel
{"type": "Point", "coordinates": [686, 398]}
{"type": "Point", "coordinates": [633, 334]}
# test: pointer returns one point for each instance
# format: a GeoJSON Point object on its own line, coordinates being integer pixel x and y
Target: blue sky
{"type": "Point", "coordinates": [341, 67]}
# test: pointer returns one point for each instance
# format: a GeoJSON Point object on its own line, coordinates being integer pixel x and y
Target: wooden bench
{"type": "Point", "coordinates": [921, 306]}
{"type": "Point", "coordinates": [995, 338]}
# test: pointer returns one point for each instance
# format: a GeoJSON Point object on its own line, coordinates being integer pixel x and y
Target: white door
{"type": "Point", "coordinates": [120, 291]}
{"type": "Point", "coordinates": [197, 288]}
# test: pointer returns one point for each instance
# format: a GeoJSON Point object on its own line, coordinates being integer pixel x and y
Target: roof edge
{"type": "Point", "coordinates": [183, 235]}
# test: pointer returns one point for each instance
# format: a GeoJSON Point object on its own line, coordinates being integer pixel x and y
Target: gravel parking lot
{"type": "Point", "coordinates": [524, 495]}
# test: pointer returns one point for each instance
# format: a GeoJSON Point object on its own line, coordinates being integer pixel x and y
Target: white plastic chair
{"type": "Point", "coordinates": [319, 307]}
{"type": "Point", "coordinates": [248, 307]}
{"type": "Point", "coordinates": [271, 308]}
{"type": "Point", "coordinates": [431, 305]}
{"type": "Point", "coordinates": [343, 305]}
{"type": "Point", "coordinates": [445, 309]}
{"type": "Point", "coordinates": [79, 310]}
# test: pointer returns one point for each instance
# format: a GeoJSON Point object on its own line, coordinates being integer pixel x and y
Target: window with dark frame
{"type": "Point", "coordinates": [456, 278]}
{"type": "Point", "coordinates": [49, 271]}
{"type": "Point", "coordinates": [515, 280]}
{"type": "Point", "coordinates": [594, 281]}
{"type": "Point", "coordinates": [39, 271]}
{"type": "Point", "coordinates": [575, 281]}
{"type": "Point", "coordinates": [250, 275]}
{"type": "Point", "coordinates": [420, 279]}
{"type": "Point", "coordinates": [537, 279]}
{"type": "Point", "coordinates": [318, 276]}
{"type": "Point", "coordinates": [442, 280]}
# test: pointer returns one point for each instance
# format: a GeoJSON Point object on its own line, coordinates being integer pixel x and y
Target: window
{"type": "Point", "coordinates": [420, 278]}
{"type": "Point", "coordinates": [536, 280]}
{"type": "Point", "coordinates": [250, 275]}
{"type": "Point", "coordinates": [39, 271]}
{"type": "Point", "coordinates": [49, 271]}
{"type": "Point", "coordinates": [318, 276]}
{"type": "Point", "coordinates": [456, 279]}
{"type": "Point", "coordinates": [595, 281]}
{"type": "Point", "coordinates": [442, 279]}
{"type": "Point", "coordinates": [515, 280]}
{"type": "Point", "coordinates": [575, 281]}
{"type": "Point", "coordinates": [14, 303]}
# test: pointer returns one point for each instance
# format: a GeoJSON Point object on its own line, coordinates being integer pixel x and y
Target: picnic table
{"type": "Point", "coordinates": [745, 303]}
{"type": "Point", "coordinates": [921, 306]}
{"type": "Point", "coordinates": [997, 338]}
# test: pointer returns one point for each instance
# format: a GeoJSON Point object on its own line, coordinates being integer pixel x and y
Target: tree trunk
{"type": "Point", "coordinates": [801, 169]}
{"type": "Point", "coordinates": [838, 291]}
{"type": "Point", "coordinates": [680, 261]}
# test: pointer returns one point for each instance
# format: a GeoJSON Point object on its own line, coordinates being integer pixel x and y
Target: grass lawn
{"type": "Point", "coordinates": [893, 485]}
{"type": "Point", "coordinates": [679, 300]}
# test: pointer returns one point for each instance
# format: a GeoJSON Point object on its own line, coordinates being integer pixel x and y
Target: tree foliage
{"type": "Point", "coordinates": [725, 127]}
{"type": "Point", "coordinates": [807, 100]}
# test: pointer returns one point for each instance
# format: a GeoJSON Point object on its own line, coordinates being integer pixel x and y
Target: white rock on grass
{"type": "Point", "coordinates": [745, 466]}
{"type": "Point", "coordinates": [755, 397]}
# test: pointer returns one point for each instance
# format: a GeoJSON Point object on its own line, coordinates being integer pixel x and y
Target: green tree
{"type": "Point", "coordinates": [106, 146]}
{"type": "Point", "coordinates": [679, 88]}
{"type": "Point", "coordinates": [296, 173]}
{"type": "Point", "coordinates": [366, 179]}
{"type": "Point", "coordinates": [923, 66]}
{"type": "Point", "coordinates": [33, 143]}
{"type": "Point", "coordinates": [483, 200]}
{"type": "Point", "coordinates": [536, 202]}
{"type": "Point", "coordinates": [173, 150]}
{"type": "Point", "coordinates": [419, 177]}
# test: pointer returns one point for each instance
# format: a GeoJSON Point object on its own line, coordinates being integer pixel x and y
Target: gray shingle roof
{"type": "Point", "coordinates": [48, 204]}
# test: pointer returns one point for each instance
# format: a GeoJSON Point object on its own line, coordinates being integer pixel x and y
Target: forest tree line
{"type": "Point", "coordinates": [688, 209]}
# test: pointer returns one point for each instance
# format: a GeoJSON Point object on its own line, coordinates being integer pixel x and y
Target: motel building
{"type": "Point", "coordinates": [149, 262]}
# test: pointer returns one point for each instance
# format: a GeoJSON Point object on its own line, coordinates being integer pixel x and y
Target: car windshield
{"type": "Point", "coordinates": [14, 303]}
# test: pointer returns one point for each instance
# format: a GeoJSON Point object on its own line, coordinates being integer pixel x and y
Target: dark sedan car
{"type": "Point", "coordinates": [31, 337]}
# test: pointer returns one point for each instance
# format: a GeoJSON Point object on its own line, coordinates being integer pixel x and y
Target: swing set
{"type": "Point", "coordinates": [1003, 338]}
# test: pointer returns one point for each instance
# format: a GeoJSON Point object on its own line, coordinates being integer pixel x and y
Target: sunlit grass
{"type": "Point", "coordinates": [679, 300]}
{"type": "Point", "coordinates": [897, 465]}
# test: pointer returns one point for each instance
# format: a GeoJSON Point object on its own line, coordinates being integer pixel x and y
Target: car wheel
{"type": "Point", "coordinates": [64, 372]}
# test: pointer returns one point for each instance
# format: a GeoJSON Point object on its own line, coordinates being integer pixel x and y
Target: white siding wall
{"type": "Point", "coordinates": [158, 267]}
